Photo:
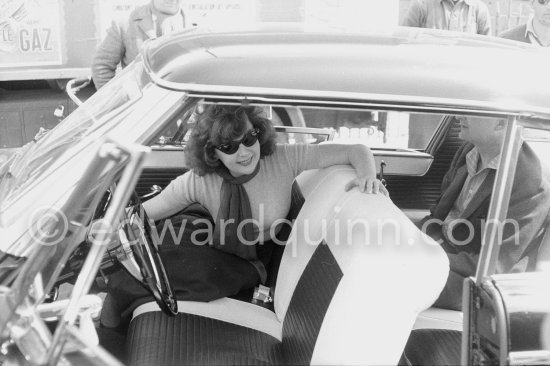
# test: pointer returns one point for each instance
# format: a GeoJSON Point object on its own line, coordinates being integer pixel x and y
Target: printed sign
{"type": "Point", "coordinates": [351, 15]}
{"type": "Point", "coordinates": [220, 13]}
{"type": "Point", "coordinates": [211, 13]}
{"type": "Point", "coordinates": [109, 10]}
{"type": "Point", "coordinates": [30, 33]}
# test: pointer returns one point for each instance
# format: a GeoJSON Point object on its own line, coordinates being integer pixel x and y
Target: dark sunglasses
{"type": "Point", "coordinates": [543, 2]}
{"type": "Point", "coordinates": [249, 139]}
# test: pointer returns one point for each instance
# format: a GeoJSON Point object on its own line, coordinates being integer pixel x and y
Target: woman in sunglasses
{"type": "Point", "coordinates": [244, 179]}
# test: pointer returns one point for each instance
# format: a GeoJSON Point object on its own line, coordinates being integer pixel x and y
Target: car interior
{"type": "Point", "coordinates": [412, 151]}
{"type": "Point", "coordinates": [332, 296]}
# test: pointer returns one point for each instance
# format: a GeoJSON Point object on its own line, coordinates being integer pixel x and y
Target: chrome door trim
{"type": "Point", "coordinates": [329, 97]}
{"type": "Point", "coordinates": [498, 207]}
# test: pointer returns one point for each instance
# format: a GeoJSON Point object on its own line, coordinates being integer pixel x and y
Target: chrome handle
{"type": "Point", "coordinates": [382, 166]}
{"type": "Point", "coordinates": [155, 189]}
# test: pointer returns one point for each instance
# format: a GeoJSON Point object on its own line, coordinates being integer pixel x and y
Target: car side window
{"type": "Point", "coordinates": [539, 140]}
{"type": "Point", "coordinates": [377, 129]}
{"type": "Point", "coordinates": [177, 129]}
{"type": "Point", "coordinates": [374, 128]}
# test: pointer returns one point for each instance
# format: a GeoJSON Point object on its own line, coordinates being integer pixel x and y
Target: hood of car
{"type": "Point", "coordinates": [404, 65]}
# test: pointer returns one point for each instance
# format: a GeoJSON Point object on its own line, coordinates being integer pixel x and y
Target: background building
{"type": "Point", "coordinates": [45, 43]}
{"type": "Point", "coordinates": [505, 14]}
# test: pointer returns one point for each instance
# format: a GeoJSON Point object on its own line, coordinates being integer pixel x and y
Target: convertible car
{"type": "Point", "coordinates": [354, 279]}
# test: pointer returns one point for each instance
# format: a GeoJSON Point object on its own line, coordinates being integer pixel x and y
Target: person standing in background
{"type": "Point", "coordinates": [469, 16]}
{"type": "Point", "coordinates": [125, 37]}
{"type": "Point", "coordinates": [537, 28]}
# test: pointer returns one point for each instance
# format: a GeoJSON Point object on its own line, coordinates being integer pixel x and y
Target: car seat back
{"type": "Point", "coordinates": [354, 275]}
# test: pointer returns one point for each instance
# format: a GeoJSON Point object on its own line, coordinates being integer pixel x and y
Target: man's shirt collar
{"type": "Point", "coordinates": [529, 27]}
{"type": "Point", "coordinates": [472, 161]}
{"type": "Point", "coordinates": [531, 35]}
{"type": "Point", "coordinates": [467, 2]}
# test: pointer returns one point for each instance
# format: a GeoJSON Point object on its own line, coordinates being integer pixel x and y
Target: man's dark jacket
{"type": "Point", "coordinates": [516, 34]}
{"type": "Point", "coordinates": [529, 208]}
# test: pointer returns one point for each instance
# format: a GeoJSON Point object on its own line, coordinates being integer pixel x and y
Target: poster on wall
{"type": "Point", "coordinates": [112, 10]}
{"type": "Point", "coordinates": [30, 33]}
{"type": "Point", "coordinates": [220, 13]}
{"type": "Point", "coordinates": [205, 13]}
{"type": "Point", "coordinates": [351, 15]}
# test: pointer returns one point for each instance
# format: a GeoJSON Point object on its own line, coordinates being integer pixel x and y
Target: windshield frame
{"type": "Point", "coordinates": [23, 169]}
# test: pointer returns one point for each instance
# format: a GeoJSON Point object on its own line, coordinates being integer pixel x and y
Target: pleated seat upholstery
{"type": "Point", "coordinates": [188, 340]}
{"type": "Point", "coordinates": [344, 295]}
{"type": "Point", "coordinates": [433, 347]}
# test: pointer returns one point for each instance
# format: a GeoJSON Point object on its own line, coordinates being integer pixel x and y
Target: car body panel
{"type": "Point", "coordinates": [459, 70]}
{"type": "Point", "coordinates": [134, 127]}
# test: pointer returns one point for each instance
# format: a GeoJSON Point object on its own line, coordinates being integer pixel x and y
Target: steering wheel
{"type": "Point", "coordinates": [140, 257]}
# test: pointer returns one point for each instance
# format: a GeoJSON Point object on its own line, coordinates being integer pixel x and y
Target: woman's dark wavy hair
{"type": "Point", "coordinates": [220, 124]}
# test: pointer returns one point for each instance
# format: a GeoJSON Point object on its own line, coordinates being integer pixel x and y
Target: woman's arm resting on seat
{"type": "Point", "coordinates": [361, 158]}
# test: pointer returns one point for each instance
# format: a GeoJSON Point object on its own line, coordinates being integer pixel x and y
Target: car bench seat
{"type": "Point", "coordinates": [354, 275]}
{"type": "Point", "coordinates": [437, 335]}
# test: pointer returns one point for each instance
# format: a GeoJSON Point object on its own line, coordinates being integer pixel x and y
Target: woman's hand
{"type": "Point", "coordinates": [367, 185]}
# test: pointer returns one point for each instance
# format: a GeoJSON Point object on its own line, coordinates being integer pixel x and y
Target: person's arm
{"type": "Point", "coordinates": [416, 15]}
{"type": "Point", "coordinates": [107, 57]}
{"type": "Point", "coordinates": [179, 194]}
{"type": "Point", "coordinates": [357, 155]}
{"type": "Point", "coordinates": [483, 20]}
{"type": "Point", "coordinates": [361, 158]}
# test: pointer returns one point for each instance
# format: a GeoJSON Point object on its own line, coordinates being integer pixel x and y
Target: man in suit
{"type": "Point", "coordinates": [125, 37]}
{"type": "Point", "coordinates": [458, 218]}
{"type": "Point", "coordinates": [537, 29]}
{"type": "Point", "coordinates": [469, 16]}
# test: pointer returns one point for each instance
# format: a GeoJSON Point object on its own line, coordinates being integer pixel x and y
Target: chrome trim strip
{"type": "Point", "coordinates": [382, 103]}
{"type": "Point", "coordinates": [71, 89]}
{"type": "Point", "coordinates": [403, 165]}
{"type": "Point", "coordinates": [535, 123]}
{"type": "Point", "coordinates": [376, 151]}
{"type": "Point", "coordinates": [502, 189]}
{"type": "Point", "coordinates": [424, 103]}
{"type": "Point", "coordinates": [167, 148]}
{"type": "Point", "coordinates": [538, 357]}
{"type": "Point", "coordinates": [401, 153]}
{"type": "Point", "coordinates": [116, 151]}
{"type": "Point", "coordinates": [470, 289]}
{"type": "Point", "coordinates": [467, 285]}
{"type": "Point", "coordinates": [307, 130]}
{"type": "Point", "coordinates": [134, 155]}
{"type": "Point", "coordinates": [399, 163]}
{"type": "Point", "coordinates": [501, 318]}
